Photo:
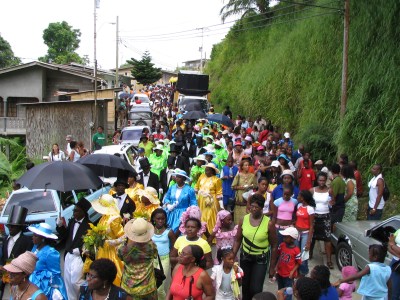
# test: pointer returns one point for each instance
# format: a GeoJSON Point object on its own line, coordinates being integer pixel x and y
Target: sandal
{"type": "Point", "coordinates": [330, 265]}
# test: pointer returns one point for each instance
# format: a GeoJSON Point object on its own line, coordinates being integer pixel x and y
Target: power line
{"type": "Point", "coordinates": [222, 24]}
{"type": "Point", "coordinates": [218, 31]}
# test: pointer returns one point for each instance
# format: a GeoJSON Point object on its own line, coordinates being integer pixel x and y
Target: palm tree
{"type": "Point", "coordinates": [244, 7]}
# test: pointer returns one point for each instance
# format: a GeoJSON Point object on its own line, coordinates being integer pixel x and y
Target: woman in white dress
{"type": "Point", "coordinates": [56, 154]}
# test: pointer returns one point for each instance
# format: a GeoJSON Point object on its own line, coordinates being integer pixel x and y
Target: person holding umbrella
{"type": "Point", "coordinates": [47, 273]}
{"type": "Point", "coordinates": [73, 265]}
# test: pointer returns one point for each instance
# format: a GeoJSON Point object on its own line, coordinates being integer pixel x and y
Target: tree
{"type": "Point", "coordinates": [144, 71]}
{"type": "Point", "coordinates": [62, 41]}
{"type": "Point", "coordinates": [244, 7]}
{"type": "Point", "coordinates": [7, 58]}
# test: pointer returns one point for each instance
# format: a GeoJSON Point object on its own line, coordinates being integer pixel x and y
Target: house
{"type": "Point", "coordinates": [37, 82]}
{"type": "Point", "coordinates": [194, 65]}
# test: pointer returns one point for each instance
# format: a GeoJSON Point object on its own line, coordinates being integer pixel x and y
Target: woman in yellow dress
{"type": "Point", "coordinates": [148, 202]}
{"type": "Point", "coordinates": [107, 206]}
{"type": "Point", "coordinates": [209, 195]}
{"type": "Point", "coordinates": [133, 189]}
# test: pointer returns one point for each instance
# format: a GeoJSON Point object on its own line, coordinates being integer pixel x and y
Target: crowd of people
{"type": "Point", "coordinates": [246, 190]}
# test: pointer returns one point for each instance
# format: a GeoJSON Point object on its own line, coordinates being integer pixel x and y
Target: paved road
{"type": "Point", "coordinates": [318, 259]}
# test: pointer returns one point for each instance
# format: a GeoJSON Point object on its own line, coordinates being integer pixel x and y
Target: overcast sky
{"type": "Point", "coordinates": [165, 28]}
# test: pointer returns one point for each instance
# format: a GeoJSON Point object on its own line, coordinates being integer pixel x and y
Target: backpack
{"type": "Point", "coordinates": [386, 192]}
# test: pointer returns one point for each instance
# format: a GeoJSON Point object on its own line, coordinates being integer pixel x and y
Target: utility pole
{"type": "Point", "coordinates": [343, 101]}
{"type": "Point", "coordinates": [96, 4]}
{"type": "Point", "coordinates": [116, 56]}
{"type": "Point", "coordinates": [201, 48]}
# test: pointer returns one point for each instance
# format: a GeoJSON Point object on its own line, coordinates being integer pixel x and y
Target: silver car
{"type": "Point", "coordinates": [352, 240]}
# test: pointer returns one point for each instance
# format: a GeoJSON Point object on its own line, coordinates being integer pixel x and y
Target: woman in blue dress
{"type": "Point", "coordinates": [47, 273]}
{"type": "Point", "coordinates": [178, 198]}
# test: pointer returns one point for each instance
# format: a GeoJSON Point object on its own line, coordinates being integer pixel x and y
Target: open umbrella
{"type": "Point", "coordinates": [62, 176]}
{"type": "Point", "coordinates": [125, 95]}
{"type": "Point", "coordinates": [220, 118]}
{"type": "Point", "coordinates": [194, 115]}
{"type": "Point", "coordinates": [107, 165]}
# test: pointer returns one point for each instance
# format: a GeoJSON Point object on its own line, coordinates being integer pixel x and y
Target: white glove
{"type": "Point", "coordinates": [76, 252]}
{"type": "Point", "coordinates": [170, 207]}
{"type": "Point", "coordinates": [59, 222]}
{"type": "Point", "coordinates": [221, 204]}
{"type": "Point", "coordinates": [161, 191]}
{"type": "Point", "coordinates": [112, 242]}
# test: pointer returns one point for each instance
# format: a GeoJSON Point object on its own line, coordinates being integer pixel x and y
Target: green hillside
{"type": "Point", "coordinates": [289, 70]}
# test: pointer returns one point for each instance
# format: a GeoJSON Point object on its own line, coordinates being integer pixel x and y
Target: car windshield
{"type": "Point", "coordinates": [131, 135]}
{"type": "Point", "coordinates": [196, 102]}
{"type": "Point", "coordinates": [140, 116]}
{"type": "Point", "coordinates": [34, 201]}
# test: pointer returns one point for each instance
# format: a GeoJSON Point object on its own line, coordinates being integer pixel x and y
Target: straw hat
{"type": "Point", "coordinates": [106, 205]}
{"type": "Point", "coordinates": [150, 193]}
{"type": "Point", "coordinates": [139, 230]}
{"type": "Point", "coordinates": [25, 262]}
{"type": "Point", "coordinates": [212, 166]}
{"type": "Point", "coordinates": [43, 230]}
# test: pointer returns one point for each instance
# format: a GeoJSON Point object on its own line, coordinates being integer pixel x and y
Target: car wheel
{"type": "Point", "coordinates": [344, 255]}
{"type": "Point", "coordinates": [141, 123]}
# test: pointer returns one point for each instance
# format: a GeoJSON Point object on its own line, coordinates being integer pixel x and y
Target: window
{"type": "Point", "coordinates": [1, 108]}
{"type": "Point", "coordinates": [66, 97]}
{"type": "Point", "coordinates": [12, 107]}
{"type": "Point", "coordinates": [35, 202]}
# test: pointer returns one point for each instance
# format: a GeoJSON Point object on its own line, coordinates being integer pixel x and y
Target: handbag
{"type": "Point", "coordinates": [159, 273]}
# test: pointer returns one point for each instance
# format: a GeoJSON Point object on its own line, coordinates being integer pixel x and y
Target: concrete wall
{"type": "Point", "coordinates": [23, 83]}
{"type": "Point", "coordinates": [56, 80]}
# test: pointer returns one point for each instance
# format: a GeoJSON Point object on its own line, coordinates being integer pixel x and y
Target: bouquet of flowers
{"type": "Point", "coordinates": [95, 237]}
{"type": "Point", "coordinates": [141, 214]}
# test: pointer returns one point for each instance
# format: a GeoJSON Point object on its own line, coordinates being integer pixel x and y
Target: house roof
{"type": "Point", "coordinates": [62, 68]}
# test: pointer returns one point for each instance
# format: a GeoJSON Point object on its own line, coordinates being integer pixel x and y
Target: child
{"type": "Point", "coordinates": [289, 259]}
{"type": "Point", "coordinates": [227, 276]}
{"type": "Point", "coordinates": [224, 231]}
{"type": "Point", "coordinates": [346, 289]}
{"type": "Point", "coordinates": [164, 238]}
{"type": "Point", "coordinates": [228, 173]}
{"type": "Point", "coordinates": [306, 176]}
{"type": "Point", "coordinates": [375, 277]}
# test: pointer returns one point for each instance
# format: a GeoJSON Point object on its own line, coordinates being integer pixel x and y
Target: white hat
{"type": "Point", "coordinates": [287, 172]}
{"type": "Point", "coordinates": [179, 172]}
{"type": "Point", "coordinates": [159, 147]}
{"type": "Point", "coordinates": [201, 157]}
{"type": "Point", "coordinates": [218, 143]}
{"type": "Point", "coordinates": [139, 230]}
{"type": "Point", "coordinates": [248, 139]}
{"type": "Point", "coordinates": [225, 132]}
{"type": "Point", "coordinates": [275, 163]}
{"type": "Point", "coordinates": [43, 230]}
{"type": "Point", "coordinates": [319, 162]}
{"type": "Point", "coordinates": [290, 231]}
{"type": "Point", "coordinates": [209, 148]}
{"type": "Point", "coordinates": [286, 135]}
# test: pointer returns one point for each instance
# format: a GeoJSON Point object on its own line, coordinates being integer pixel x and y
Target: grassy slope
{"type": "Point", "coordinates": [291, 73]}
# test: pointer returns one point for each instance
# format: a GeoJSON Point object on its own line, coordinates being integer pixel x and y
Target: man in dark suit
{"type": "Point", "coordinates": [73, 237]}
{"type": "Point", "coordinates": [197, 149]}
{"type": "Point", "coordinates": [165, 175]}
{"type": "Point", "coordinates": [181, 162]}
{"type": "Point", "coordinates": [16, 242]}
{"type": "Point", "coordinates": [146, 177]}
{"type": "Point", "coordinates": [125, 204]}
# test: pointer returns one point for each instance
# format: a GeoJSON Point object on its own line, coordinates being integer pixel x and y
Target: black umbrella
{"type": "Point", "coordinates": [194, 115]}
{"type": "Point", "coordinates": [107, 165]}
{"type": "Point", "coordinates": [192, 106]}
{"type": "Point", "coordinates": [220, 118]}
{"type": "Point", "coordinates": [62, 176]}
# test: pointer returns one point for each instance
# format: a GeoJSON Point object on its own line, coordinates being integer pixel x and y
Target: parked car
{"type": "Point", "coordinates": [126, 151]}
{"type": "Point", "coordinates": [131, 135]}
{"type": "Point", "coordinates": [352, 239]}
{"type": "Point", "coordinates": [45, 206]}
{"type": "Point", "coordinates": [140, 116]}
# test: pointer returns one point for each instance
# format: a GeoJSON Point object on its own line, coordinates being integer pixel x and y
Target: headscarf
{"type": "Point", "coordinates": [221, 215]}
{"type": "Point", "coordinates": [192, 212]}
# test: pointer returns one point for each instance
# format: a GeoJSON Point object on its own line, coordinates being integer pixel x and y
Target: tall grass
{"type": "Point", "coordinates": [291, 74]}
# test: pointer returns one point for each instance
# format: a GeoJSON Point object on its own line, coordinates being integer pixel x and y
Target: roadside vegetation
{"type": "Point", "coordinates": [289, 70]}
